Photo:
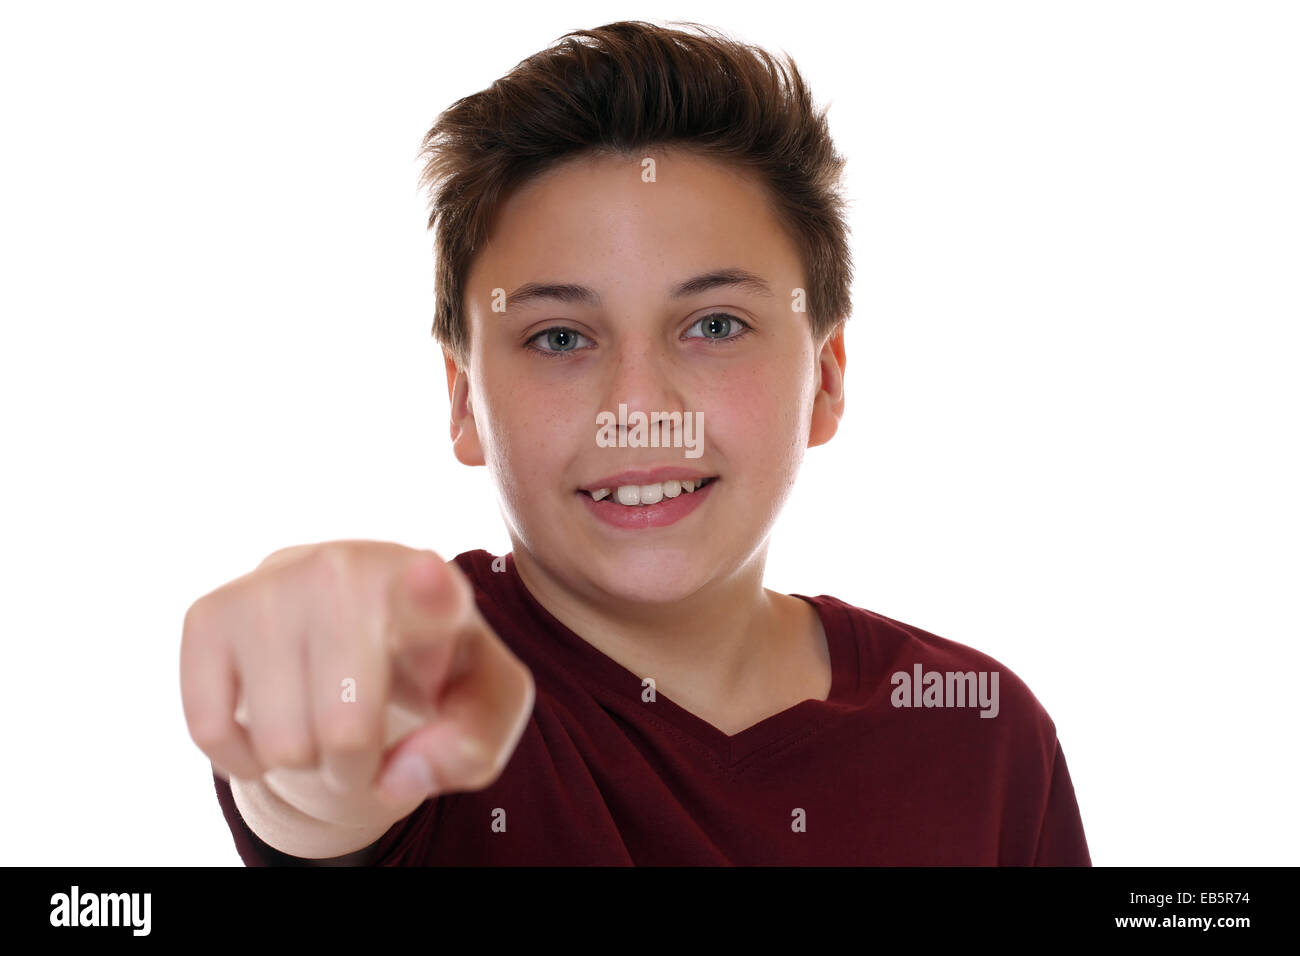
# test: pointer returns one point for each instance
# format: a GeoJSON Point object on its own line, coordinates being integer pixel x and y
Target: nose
{"type": "Point", "coordinates": [641, 373]}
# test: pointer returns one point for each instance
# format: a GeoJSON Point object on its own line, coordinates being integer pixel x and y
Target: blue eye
{"type": "Point", "coordinates": [558, 340]}
{"type": "Point", "coordinates": [717, 327]}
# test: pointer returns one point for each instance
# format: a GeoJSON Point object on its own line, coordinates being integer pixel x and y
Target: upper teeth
{"type": "Point", "coordinates": [648, 494]}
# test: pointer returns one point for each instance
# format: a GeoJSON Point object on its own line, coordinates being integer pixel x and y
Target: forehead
{"type": "Point", "coordinates": [602, 210]}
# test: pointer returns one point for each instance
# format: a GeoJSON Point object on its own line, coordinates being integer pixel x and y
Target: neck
{"type": "Point", "coordinates": [711, 646]}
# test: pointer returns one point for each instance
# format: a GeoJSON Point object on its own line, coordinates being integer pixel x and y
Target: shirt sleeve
{"type": "Point", "coordinates": [1061, 841]}
{"type": "Point", "coordinates": [256, 852]}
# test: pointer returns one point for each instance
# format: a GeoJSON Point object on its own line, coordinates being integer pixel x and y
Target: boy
{"type": "Point", "coordinates": [643, 275]}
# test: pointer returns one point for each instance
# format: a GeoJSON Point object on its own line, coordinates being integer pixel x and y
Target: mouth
{"type": "Point", "coordinates": [629, 503]}
{"type": "Point", "coordinates": [640, 495]}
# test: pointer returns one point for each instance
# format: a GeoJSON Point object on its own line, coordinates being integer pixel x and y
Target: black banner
{"type": "Point", "coordinates": [329, 905]}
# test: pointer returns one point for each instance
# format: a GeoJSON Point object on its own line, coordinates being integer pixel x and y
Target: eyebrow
{"type": "Point", "coordinates": [583, 295]}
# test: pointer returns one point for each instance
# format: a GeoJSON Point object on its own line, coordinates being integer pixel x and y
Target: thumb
{"type": "Point", "coordinates": [430, 761]}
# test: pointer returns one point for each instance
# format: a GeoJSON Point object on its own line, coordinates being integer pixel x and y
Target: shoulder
{"type": "Point", "coordinates": [904, 666]}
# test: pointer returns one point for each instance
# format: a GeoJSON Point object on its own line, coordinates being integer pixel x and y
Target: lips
{"type": "Point", "coordinates": [625, 509]}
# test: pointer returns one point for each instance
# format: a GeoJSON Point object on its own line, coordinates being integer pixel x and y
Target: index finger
{"type": "Point", "coordinates": [431, 606]}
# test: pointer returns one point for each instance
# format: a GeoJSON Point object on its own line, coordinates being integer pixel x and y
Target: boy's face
{"type": "Point", "coordinates": [541, 372]}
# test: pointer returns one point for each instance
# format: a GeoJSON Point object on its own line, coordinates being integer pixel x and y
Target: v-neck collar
{"type": "Point", "coordinates": [604, 676]}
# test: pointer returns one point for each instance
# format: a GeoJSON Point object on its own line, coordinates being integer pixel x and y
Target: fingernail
{"type": "Point", "coordinates": [409, 778]}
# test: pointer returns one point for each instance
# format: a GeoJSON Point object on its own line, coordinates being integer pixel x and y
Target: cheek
{"type": "Point", "coordinates": [758, 415]}
{"type": "Point", "coordinates": [530, 437]}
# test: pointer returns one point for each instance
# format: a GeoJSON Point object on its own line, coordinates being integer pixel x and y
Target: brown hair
{"type": "Point", "coordinates": [625, 87]}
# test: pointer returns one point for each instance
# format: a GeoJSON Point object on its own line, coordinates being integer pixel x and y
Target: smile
{"type": "Point", "coordinates": [652, 494]}
{"type": "Point", "coordinates": [631, 502]}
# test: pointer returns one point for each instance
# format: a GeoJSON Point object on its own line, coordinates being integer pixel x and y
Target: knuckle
{"type": "Point", "coordinates": [330, 566]}
{"type": "Point", "coordinates": [285, 749]}
{"type": "Point", "coordinates": [265, 611]}
{"type": "Point", "coordinates": [196, 619]}
{"type": "Point", "coordinates": [208, 734]}
{"type": "Point", "coordinates": [284, 556]}
{"type": "Point", "coordinates": [344, 731]}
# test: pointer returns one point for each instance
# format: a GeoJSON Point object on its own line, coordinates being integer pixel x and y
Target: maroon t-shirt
{"type": "Point", "coordinates": [603, 776]}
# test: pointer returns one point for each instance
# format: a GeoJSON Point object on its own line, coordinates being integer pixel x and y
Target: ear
{"type": "Point", "coordinates": [464, 430]}
{"type": "Point", "coordinates": [828, 405]}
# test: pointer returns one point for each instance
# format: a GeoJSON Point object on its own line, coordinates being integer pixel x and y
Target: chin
{"type": "Point", "coordinates": [651, 575]}
{"type": "Point", "coordinates": [666, 591]}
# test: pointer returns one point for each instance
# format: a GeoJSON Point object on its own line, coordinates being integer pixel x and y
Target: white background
{"type": "Point", "coordinates": [1070, 437]}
